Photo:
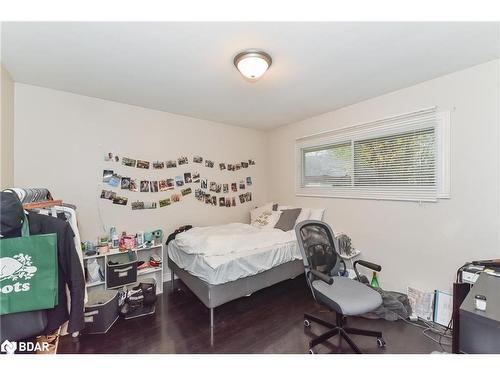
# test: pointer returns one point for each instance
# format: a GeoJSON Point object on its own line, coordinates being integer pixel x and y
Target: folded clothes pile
{"type": "Point", "coordinates": [154, 261]}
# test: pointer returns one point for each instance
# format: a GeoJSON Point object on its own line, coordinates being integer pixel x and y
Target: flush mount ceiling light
{"type": "Point", "coordinates": [252, 64]}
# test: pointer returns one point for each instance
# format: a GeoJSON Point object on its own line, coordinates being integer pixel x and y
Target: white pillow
{"type": "Point", "coordinates": [317, 214]}
{"type": "Point", "coordinates": [304, 215]}
{"type": "Point", "coordinates": [259, 210]}
{"type": "Point", "coordinates": [267, 219]}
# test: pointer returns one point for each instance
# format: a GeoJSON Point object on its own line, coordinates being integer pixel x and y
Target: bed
{"type": "Point", "coordinates": [222, 263]}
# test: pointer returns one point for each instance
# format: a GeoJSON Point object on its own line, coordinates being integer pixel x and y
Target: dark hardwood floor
{"type": "Point", "coordinates": [269, 321]}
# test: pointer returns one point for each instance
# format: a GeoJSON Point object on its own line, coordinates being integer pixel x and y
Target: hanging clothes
{"type": "Point", "coordinates": [70, 272]}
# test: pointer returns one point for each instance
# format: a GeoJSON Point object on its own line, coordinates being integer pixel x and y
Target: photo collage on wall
{"type": "Point", "coordinates": [179, 184]}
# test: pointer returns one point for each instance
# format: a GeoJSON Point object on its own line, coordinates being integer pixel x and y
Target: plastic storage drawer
{"type": "Point", "coordinates": [101, 311]}
{"type": "Point", "coordinates": [123, 271]}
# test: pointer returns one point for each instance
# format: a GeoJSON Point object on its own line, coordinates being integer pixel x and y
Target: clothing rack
{"type": "Point", "coordinates": [43, 204]}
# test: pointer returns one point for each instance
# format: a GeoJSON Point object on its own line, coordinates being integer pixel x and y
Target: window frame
{"type": "Point", "coordinates": [351, 134]}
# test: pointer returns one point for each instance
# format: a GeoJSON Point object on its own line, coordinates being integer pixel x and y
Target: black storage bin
{"type": "Point", "coordinates": [124, 272]}
{"type": "Point", "coordinates": [101, 311]}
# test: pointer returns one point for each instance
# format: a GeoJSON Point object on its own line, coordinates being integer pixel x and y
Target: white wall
{"type": "Point", "coordinates": [6, 130]}
{"type": "Point", "coordinates": [419, 245]}
{"type": "Point", "coordinates": [61, 138]}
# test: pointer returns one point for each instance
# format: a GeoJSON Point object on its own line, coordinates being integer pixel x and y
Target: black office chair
{"type": "Point", "coordinates": [341, 294]}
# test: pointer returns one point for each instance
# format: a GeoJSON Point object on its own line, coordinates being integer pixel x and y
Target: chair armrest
{"type": "Point", "coordinates": [370, 265]}
{"type": "Point", "coordinates": [366, 264]}
{"type": "Point", "coordinates": [327, 279]}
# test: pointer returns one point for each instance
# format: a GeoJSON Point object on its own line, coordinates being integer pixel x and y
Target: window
{"type": "Point", "coordinates": [401, 158]}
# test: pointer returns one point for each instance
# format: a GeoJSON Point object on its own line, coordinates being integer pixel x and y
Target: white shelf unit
{"type": "Point", "coordinates": [142, 254]}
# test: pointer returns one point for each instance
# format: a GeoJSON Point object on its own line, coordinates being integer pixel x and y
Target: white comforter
{"type": "Point", "coordinates": [229, 238]}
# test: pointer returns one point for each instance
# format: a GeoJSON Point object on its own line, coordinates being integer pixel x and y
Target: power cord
{"type": "Point", "coordinates": [434, 329]}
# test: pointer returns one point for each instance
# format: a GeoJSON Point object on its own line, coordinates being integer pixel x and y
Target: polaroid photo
{"type": "Point", "coordinates": [170, 183]}
{"type": "Point", "coordinates": [222, 202]}
{"type": "Point", "coordinates": [110, 156]}
{"type": "Point", "coordinates": [154, 186]}
{"type": "Point", "coordinates": [222, 166]}
{"type": "Point", "coordinates": [203, 183]}
{"type": "Point", "coordinates": [183, 160]}
{"type": "Point", "coordinates": [175, 198]}
{"type": "Point", "coordinates": [165, 202]}
{"type": "Point", "coordinates": [106, 175]}
{"type": "Point", "coordinates": [214, 200]}
{"type": "Point", "coordinates": [186, 191]}
{"type": "Point", "coordinates": [144, 187]}
{"type": "Point", "coordinates": [197, 159]}
{"type": "Point", "coordinates": [230, 167]}
{"type": "Point", "coordinates": [158, 165]}
{"type": "Point", "coordinates": [249, 181]}
{"type": "Point", "coordinates": [108, 194]}
{"type": "Point", "coordinates": [196, 177]}
{"type": "Point", "coordinates": [115, 180]}
{"type": "Point", "coordinates": [125, 184]}
{"type": "Point", "coordinates": [251, 162]}
{"type": "Point", "coordinates": [187, 178]}
{"type": "Point", "coordinates": [128, 162]}
{"type": "Point", "coordinates": [162, 185]}
{"type": "Point", "coordinates": [209, 163]}
{"type": "Point", "coordinates": [197, 193]}
{"type": "Point", "coordinates": [150, 205]}
{"type": "Point", "coordinates": [122, 201]}
{"type": "Point", "coordinates": [218, 188]}
{"type": "Point", "coordinates": [242, 198]}
{"type": "Point", "coordinates": [171, 164]}
{"type": "Point", "coordinates": [133, 185]}
{"type": "Point", "coordinates": [238, 166]}
{"type": "Point", "coordinates": [208, 199]}
{"type": "Point", "coordinates": [233, 201]}
{"type": "Point", "coordinates": [242, 185]}
{"type": "Point", "coordinates": [179, 181]}
{"type": "Point", "coordinates": [225, 188]}
{"type": "Point", "coordinates": [213, 186]}
{"type": "Point", "coordinates": [137, 205]}
{"type": "Point", "coordinates": [143, 164]}
{"type": "Point", "coordinates": [234, 187]}
{"type": "Point", "coordinates": [248, 196]}
{"type": "Point", "coordinates": [244, 164]}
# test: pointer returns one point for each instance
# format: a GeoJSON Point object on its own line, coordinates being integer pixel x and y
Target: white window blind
{"type": "Point", "coordinates": [394, 158]}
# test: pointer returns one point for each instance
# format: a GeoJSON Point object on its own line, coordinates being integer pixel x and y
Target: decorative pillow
{"type": "Point", "coordinates": [304, 215]}
{"type": "Point", "coordinates": [267, 219]}
{"type": "Point", "coordinates": [259, 210]}
{"type": "Point", "coordinates": [317, 214]}
{"type": "Point", "coordinates": [287, 219]}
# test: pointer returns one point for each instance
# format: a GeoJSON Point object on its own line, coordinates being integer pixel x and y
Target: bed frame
{"type": "Point", "coordinates": [215, 295]}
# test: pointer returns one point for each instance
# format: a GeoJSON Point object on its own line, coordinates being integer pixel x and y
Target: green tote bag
{"type": "Point", "coordinates": [28, 272]}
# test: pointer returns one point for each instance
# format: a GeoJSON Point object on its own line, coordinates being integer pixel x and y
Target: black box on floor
{"type": "Point", "coordinates": [122, 270]}
{"type": "Point", "coordinates": [101, 311]}
{"type": "Point", "coordinates": [141, 299]}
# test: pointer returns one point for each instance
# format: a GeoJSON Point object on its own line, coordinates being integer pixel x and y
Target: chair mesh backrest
{"type": "Point", "coordinates": [317, 245]}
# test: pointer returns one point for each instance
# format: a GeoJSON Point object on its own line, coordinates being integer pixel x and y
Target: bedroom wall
{"type": "Point", "coordinates": [419, 245]}
{"type": "Point", "coordinates": [6, 129]}
{"type": "Point", "coordinates": [61, 139]}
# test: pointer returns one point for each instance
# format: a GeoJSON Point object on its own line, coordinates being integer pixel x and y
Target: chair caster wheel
{"type": "Point", "coordinates": [307, 323]}
{"type": "Point", "coordinates": [311, 351]}
{"type": "Point", "coordinates": [381, 342]}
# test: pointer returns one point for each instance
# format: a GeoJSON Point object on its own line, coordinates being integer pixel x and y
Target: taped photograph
{"type": "Point", "coordinates": [197, 159]}
{"type": "Point", "coordinates": [209, 163]}
{"type": "Point", "coordinates": [183, 160]}
{"type": "Point", "coordinates": [203, 183]}
{"type": "Point", "coordinates": [165, 202]}
{"type": "Point", "coordinates": [128, 162]}
{"type": "Point", "coordinates": [133, 185]}
{"type": "Point", "coordinates": [186, 191]}
{"type": "Point", "coordinates": [222, 166]}
{"type": "Point", "coordinates": [125, 184]}
{"type": "Point", "coordinates": [196, 177]}
{"type": "Point", "coordinates": [122, 201]}
{"type": "Point", "coordinates": [108, 194]}
{"type": "Point", "coordinates": [144, 187]}
{"type": "Point", "coordinates": [143, 164]}
{"type": "Point", "coordinates": [106, 175]}
{"type": "Point", "coordinates": [154, 186]}
{"type": "Point", "coordinates": [179, 181]}
{"type": "Point", "coordinates": [158, 165]}
{"type": "Point", "coordinates": [187, 178]}
{"type": "Point", "coordinates": [171, 164]}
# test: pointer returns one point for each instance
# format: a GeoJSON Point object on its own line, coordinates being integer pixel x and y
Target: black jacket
{"type": "Point", "coordinates": [70, 273]}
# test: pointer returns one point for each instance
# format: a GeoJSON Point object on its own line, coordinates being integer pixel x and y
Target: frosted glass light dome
{"type": "Point", "coordinates": [252, 64]}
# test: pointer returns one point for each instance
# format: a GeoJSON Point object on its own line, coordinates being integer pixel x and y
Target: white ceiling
{"type": "Point", "coordinates": [186, 68]}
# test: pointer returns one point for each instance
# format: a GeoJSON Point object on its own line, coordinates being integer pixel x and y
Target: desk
{"type": "Point", "coordinates": [480, 330]}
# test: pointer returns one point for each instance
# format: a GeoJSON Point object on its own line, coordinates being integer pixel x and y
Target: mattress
{"type": "Point", "coordinates": [220, 269]}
